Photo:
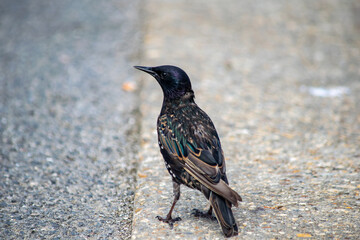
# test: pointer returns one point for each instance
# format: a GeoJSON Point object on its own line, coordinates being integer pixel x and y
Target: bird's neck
{"type": "Point", "coordinates": [182, 101]}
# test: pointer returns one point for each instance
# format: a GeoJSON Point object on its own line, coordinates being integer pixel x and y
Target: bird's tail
{"type": "Point", "coordinates": [224, 215]}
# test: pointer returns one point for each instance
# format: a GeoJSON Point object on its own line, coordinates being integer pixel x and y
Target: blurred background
{"type": "Point", "coordinates": [75, 115]}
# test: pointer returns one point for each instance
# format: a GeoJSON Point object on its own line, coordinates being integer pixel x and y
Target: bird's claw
{"type": "Point", "coordinates": [198, 213]}
{"type": "Point", "coordinates": [169, 221]}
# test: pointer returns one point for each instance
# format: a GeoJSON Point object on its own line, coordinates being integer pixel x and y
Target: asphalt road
{"type": "Point", "coordinates": [68, 131]}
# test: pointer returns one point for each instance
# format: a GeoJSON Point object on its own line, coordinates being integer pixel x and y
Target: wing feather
{"type": "Point", "coordinates": [204, 161]}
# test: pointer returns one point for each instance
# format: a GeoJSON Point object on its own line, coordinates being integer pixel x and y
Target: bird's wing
{"type": "Point", "coordinates": [202, 159]}
{"type": "Point", "coordinates": [200, 167]}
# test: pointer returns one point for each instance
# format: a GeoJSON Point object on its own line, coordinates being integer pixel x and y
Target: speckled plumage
{"type": "Point", "coordinates": [191, 147]}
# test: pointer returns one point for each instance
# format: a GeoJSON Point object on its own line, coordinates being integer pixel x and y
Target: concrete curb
{"type": "Point", "coordinates": [291, 154]}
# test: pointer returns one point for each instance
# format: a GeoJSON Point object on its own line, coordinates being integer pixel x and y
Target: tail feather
{"type": "Point", "coordinates": [224, 215]}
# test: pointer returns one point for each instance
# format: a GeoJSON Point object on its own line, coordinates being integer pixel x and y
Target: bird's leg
{"type": "Point", "coordinates": [208, 214]}
{"type": "Point", "coordinates": [169, 219]}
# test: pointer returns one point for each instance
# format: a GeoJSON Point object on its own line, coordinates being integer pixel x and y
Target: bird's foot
{"type": "Point", "coordinates": [169, 220]}
{"type": "Point", "coordinates": [198, 213]}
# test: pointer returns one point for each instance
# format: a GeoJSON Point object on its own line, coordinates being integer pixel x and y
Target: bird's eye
{"type": "Point", "coordinates": [164, 74]}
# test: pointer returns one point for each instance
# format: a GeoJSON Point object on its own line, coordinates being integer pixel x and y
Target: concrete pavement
{"type": "Point", "coordinates": [280, 79]}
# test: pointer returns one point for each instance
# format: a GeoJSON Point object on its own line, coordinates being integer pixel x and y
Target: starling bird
{"type": "Point", "coordinates": [191, 148]}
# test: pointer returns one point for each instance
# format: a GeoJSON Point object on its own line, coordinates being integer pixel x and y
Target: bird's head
{"type": "Point", "coordinates": [173, 80]}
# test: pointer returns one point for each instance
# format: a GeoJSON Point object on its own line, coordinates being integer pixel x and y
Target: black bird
{"type": "Point", "coordinates": [191, 148]}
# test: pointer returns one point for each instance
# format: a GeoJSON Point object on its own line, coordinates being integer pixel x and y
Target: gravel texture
{"type": "Point", "coordinates": [68, 132]}
{"type": "Point", "coordinates": [280, 79]}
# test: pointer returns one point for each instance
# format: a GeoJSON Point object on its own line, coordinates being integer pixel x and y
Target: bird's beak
{"type": "Point", "coordinates": [147, 70]}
